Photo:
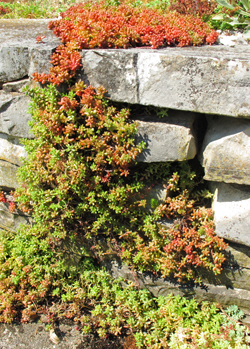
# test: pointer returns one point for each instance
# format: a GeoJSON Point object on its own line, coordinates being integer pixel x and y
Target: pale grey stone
{"type": "Point", "coordinates": [169, 140]}
{"type": "Point", "coordinates": [225, 150]}
{"type": "Point", "coordinates": [11, 221]}
{"type": "Point", "coordinates": [231, 207]}
{"type": "Point", "coordinates": [113, 69]}
{"type": "Point", "coordinates": [20, 55]}
{"type": "Point", "coordinates": [24, 32]}
{"type": "Point", "coordinates": [14, 116]}
{"type": "Point", "coordinates": [11, 153]}
{"type": "Point", "coordinates": [14, 63]}
{"type": "Point", "coordinates": [232, 40]}
{"type": "Point", "coordinates": [15, 86]}
{"type": "Point", "coordinates": [40, 58]}
{"type": "Point", "coordinates": [208, 79]}
{"type": "Point", "coordinates": [8, 175]}
{"type": "Point", "coordinates": [195, 79]}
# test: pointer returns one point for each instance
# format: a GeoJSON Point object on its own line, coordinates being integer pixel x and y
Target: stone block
{"type": "Point", "coordinates": [162, 287]}
{"type": "Point", "coordinates": [196, 79]}
{"type": "Point", "coordinates": [40, 60]}
{"type": "Point", "coordinates": [113, 69]}
{"type": "Point", "coordinates": [8, 172]}
{"type": "Point", "coordinates": [14, 63]}
{"type": "Point", "coordinates": [207, 79]}
{"type": "Point", "coordinates": [171, 139]}
{"type": "Point", "coordinates": [11, 152]}
{"type": "Point", "coordinates": [231, 205]}
{"type": "Point", "coordinates": [15, 86]}
{"type": "Point", "coordinates": [11, 221]}
{"type": "Point", "coordinates": [225, 150]}
{"type": "Point", "coordinates": [14, 115]}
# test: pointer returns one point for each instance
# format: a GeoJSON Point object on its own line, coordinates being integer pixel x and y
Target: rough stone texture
{"type": "Point", "coordinates": [11, 221]}
{"type": "Point", "coordinates": [10, 152]}
{"type": "Point", "coordinates": [162, 287]}
{"type": "Point", "coordinates": [176, 78]}
{"type": "Point", "coordinates": [14, 115]}
{"type": "Point", "coordinates": [231, 205]}
{"type": "Point", "coordinates": [169, 140]}
{"type": "Point", "coordinates": [15, 86]}
{"type": "Point", "coordinates": [205, 79]}
{"type": "Point", "coordinates": [225, 150]}
{"type": "Point", "coordinates": [116, 70]}
{"type": "Point", "coordinates": [8, 179]}
{"type": "Point", "coordinates": [14, 62]}
{"type": "Point", "coordinates": [19, 52]}
{"type": "Point", "coordinates": [40, 59]}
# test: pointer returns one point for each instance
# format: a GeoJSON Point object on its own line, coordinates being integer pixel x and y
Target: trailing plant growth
{"type": "Point", "coordinates": [88, 198]}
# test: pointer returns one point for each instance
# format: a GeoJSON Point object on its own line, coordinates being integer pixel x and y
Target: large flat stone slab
{"type": "Point", "coordinates": [17, 41]}
{"type": "Point", "coordinates": [225, 150]}
{"type": "Point", "coordinates": [208, 79]}
{"type": "Point", "coordinates": [168, 139]}
{"type": "Point", "coordinates": [231, 205]}
{"type": "Point", "coordinates": [116, 70]}
{"type": "Point", "coordinates": [213, 80]}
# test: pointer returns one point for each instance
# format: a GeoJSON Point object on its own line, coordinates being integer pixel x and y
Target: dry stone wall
{"type": "Point", "coordinates": [207, 92]}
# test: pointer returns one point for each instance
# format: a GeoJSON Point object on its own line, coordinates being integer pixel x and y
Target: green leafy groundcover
{"type": "Point", "coordinates": [88, 198]}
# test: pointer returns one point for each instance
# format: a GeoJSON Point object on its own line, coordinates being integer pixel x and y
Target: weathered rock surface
{"type": "Point", "coordinates": [208, 79]}
{"type": "Point", "coordinates": [225, 150]}
{"type": "Point", "coordinates": [15, 86]}
{"type": "Point", "coordinates": [11, 221]}
{"type": "Point", "coordinates": [14, 63]}
{"type": "Point", "coordinates": [17, 39]}
{"type": "Point", "coordinates": [11, 152]}
{"type": "Point", "coordinates": [169, 140]}
{"type": "Point", "coordinates": [211, 80]}
{"type": "Point", "coordinates": [231, 207]}
{"type": "Point", "coordinates": [225, 295]}
{"type": "Point", "coordinates": [8, 175]}
{"type": "Point", "coordinates": [14, 115]}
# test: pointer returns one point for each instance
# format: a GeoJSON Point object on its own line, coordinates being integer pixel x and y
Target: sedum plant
{"type": "Point", "coordinates": [87, 197]}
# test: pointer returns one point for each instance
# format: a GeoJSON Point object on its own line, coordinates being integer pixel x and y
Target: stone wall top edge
{"type": "Point", "coordinates": [11, 28]}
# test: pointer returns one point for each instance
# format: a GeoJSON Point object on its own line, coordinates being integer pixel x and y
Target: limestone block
{"type": "Point", "coordinates": [113, 69]}
{"type": "Point", "coordinates": [40, 59]}
{"type": "Point", "coordinates": [14, 63]}
{"type": "Point", "coordinates": [169, 140]}
{"type": "Point", "coordinates": [8, 173]}
{"type": "Point", "coordinates": [207, 79]}
{"type": "Point", "coordinates": [11, 152]}
{"type": "Point", "coordinates": [20, 55]}
{"type": "Point", "coordinates": [11, 221]}
{"type": "Point", "coordinates": [163, 287]}
{"type": "Point", "coordinates": [202, 80]}
{"type": "Point", "coordinates": [225, 150]}
{"type": "Point", "coordinates": [238, 256]}
{"type": "Point", "coordinates": [231, 205]}
{"type": "Point", "coordinates": [14, 115]}
{"type": "Point", "coordinates": [15, 86]}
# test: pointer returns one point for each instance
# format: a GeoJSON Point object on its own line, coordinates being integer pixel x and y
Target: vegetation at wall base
{"type": "Point", "coordinates": [88, 198]}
